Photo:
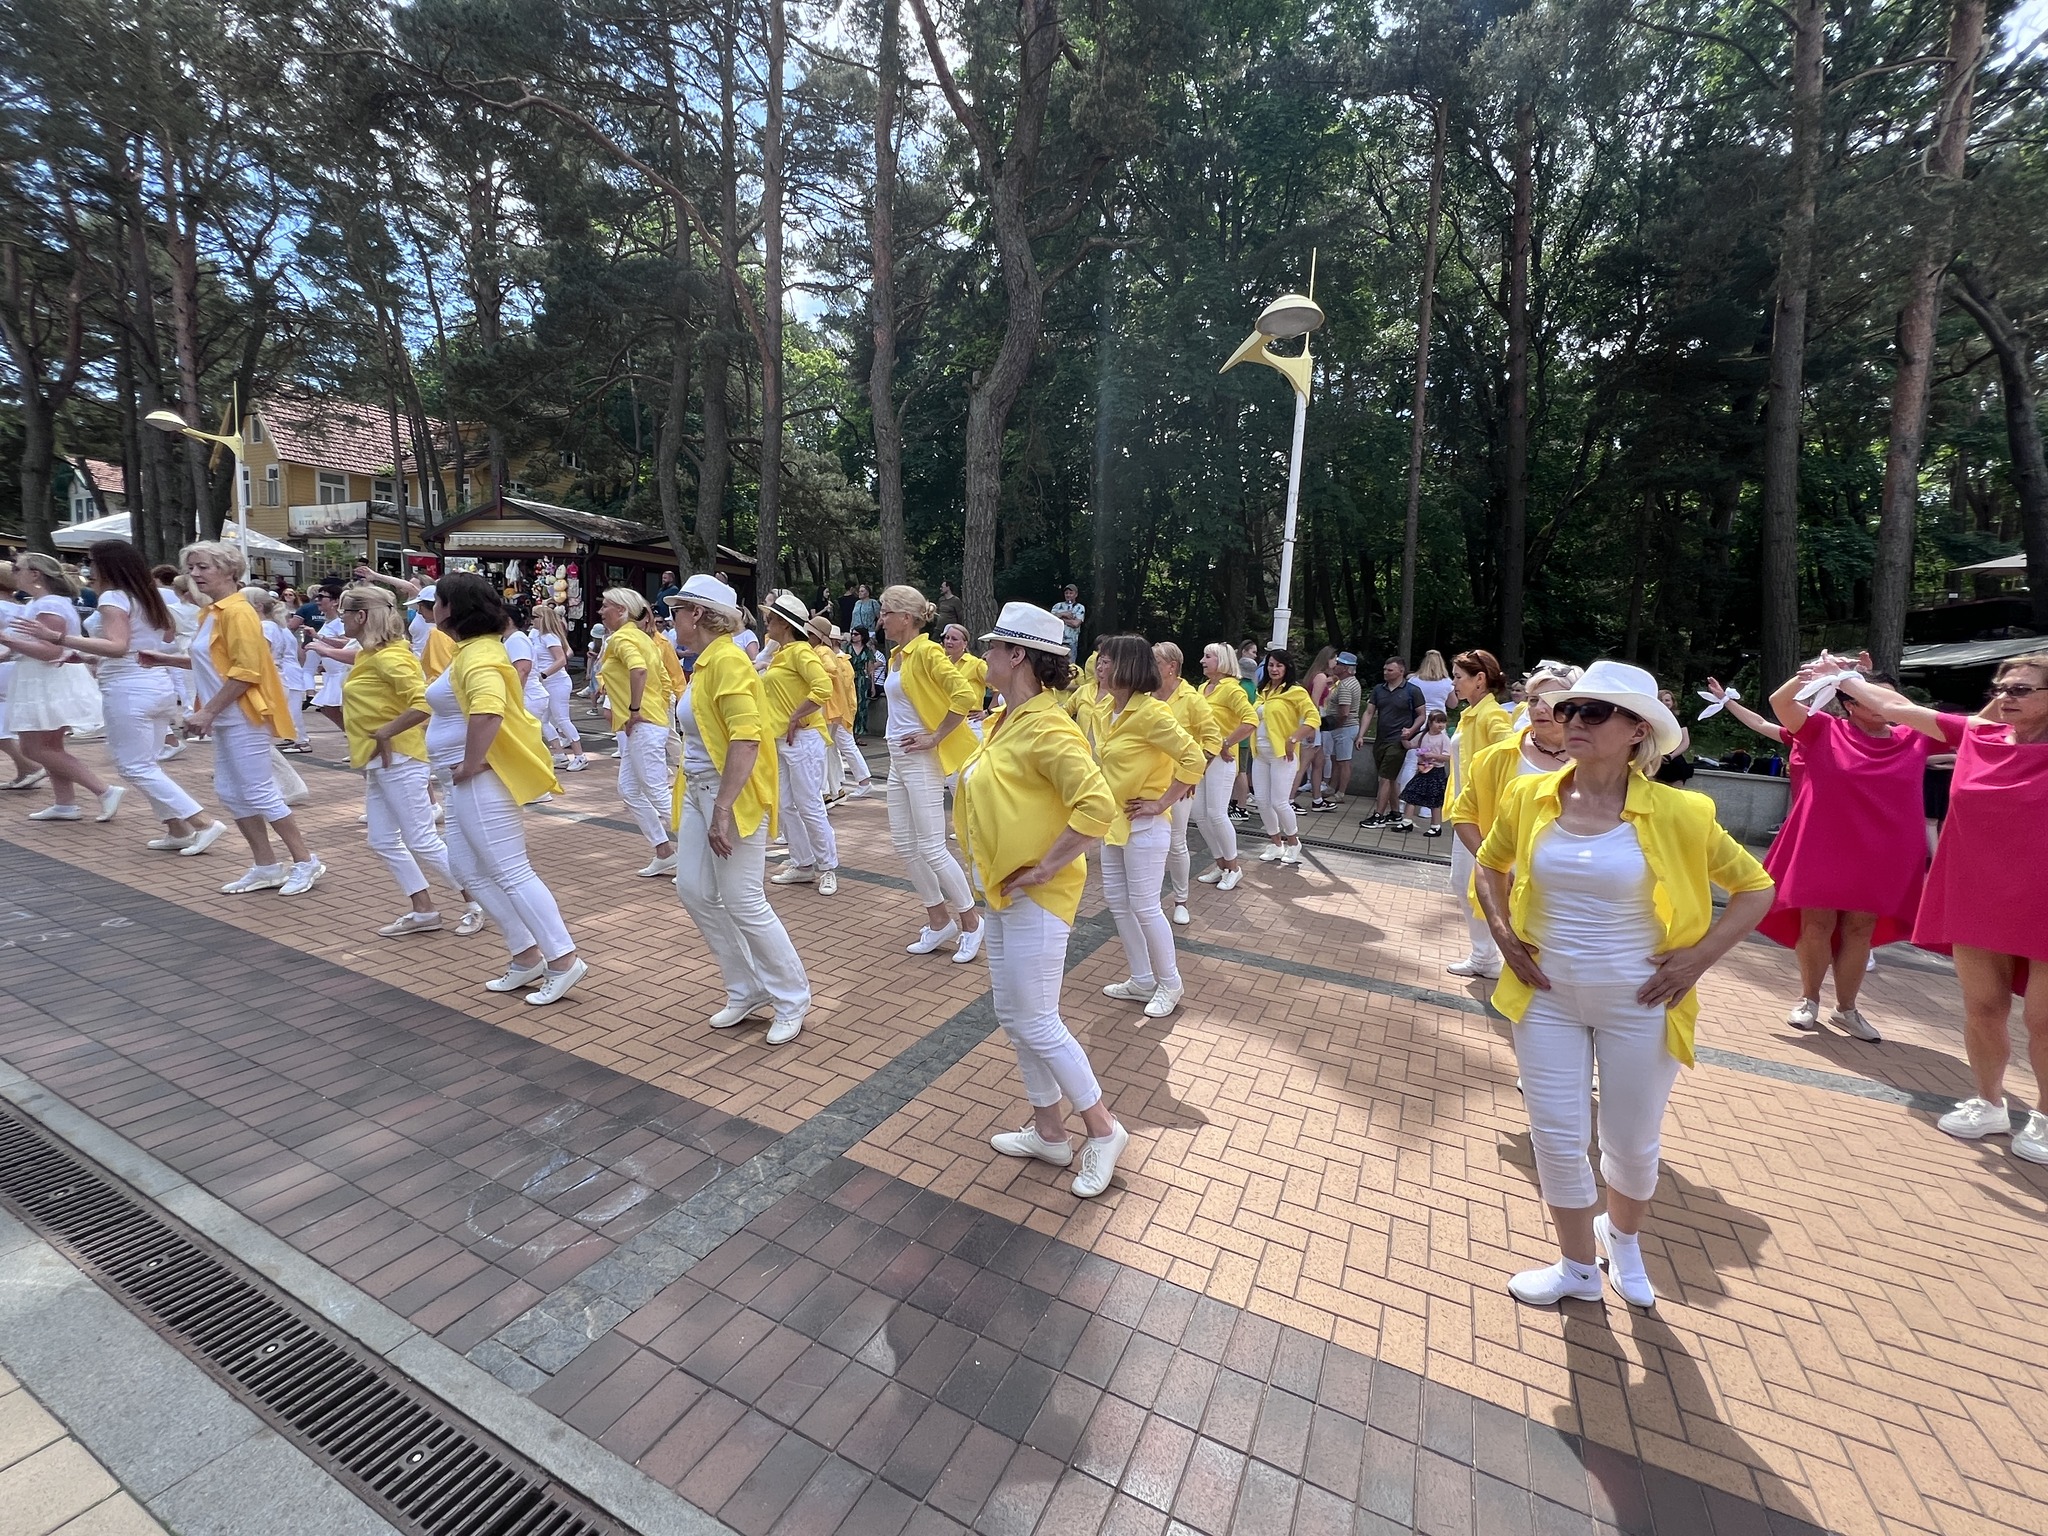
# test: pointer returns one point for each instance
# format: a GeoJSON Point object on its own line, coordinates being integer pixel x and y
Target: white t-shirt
{"type": "Point", "coordinates": [550, 657]}
{"type": "Point", "coordinates": [1597, 914]}
{"type": "Point", "coordinates": [518, 648]}
{"type": "Point", "coordinates": [1436, 693]}
{"type": "Point", "coordinates": [59, 607]}
{"type": "Point", "coordinates": [696, 756]}
{"type": "Point", "coordinates": [205, 681]}
{"type": "Point", "coordinates": [184, 615]}
{"type": "Point", "coordinates": [903, 716]}
{"type": "Point", "coordinates": [448, 730]}
{"type": "Point", "coordinates": [141, 637]}
{"type": "Point", "coordinates": [284, 650]}
{"type": "Point", "coordinates": [417, 628]}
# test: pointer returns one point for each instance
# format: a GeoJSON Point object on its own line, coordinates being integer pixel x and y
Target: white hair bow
{"type": "Point", "coordinates": [1715, 704]}
{"type": "Point", "coordinates": [1818, 694]}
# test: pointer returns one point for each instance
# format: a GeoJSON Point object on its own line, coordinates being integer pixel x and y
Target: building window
{"type": "Point", "coordinates": [389, 558]}
{"type": "Point", "coordinates": [272, 486]}
{"type": "Point", "coordinates": [255, 429]}
{"type": "Point", "coordinates": [82, 508]}
{"type": "Point", "coordinates": [331, 488]}
{"type": "Point", "coordinates": [384, 491]}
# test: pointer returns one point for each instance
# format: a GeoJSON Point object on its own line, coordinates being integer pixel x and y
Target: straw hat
{"type": "Point", "coordinates": [1030, 626]}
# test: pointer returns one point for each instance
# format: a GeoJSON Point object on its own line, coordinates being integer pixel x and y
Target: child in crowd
{"type": "Point", "coordinates": [1425, 791]}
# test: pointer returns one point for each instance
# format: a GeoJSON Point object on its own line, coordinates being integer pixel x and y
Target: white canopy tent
{"type": "Point", "coordinates": [80, 536]}
{"type": "Point", "coordinates": [2004, 565]}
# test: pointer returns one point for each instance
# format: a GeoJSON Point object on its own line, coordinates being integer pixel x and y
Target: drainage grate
{"type": "Point", "coordinates": [424, 1468]}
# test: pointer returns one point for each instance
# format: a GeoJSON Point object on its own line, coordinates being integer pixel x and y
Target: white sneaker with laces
{"type": "Point", "coordinates": [1291, 854]}
{"type": "Point", "coordinates": [2032, 1141]}
{"type": "Point", "coordinates": [1028, 1143]}
{"type": "Point", "coordinates": [784, 1030]}
{"type": "Point", "coordinates": [1164, 1001]}
{"type": "Point", "coordinates": [930, 938]}
{"type": "Point", "coordinates": [736, 1013]}
{"type": "Point", "coordinates": [828, 882]}
{"type": "Point", "coordinates": [970, 943]}
{"type": "Point", "coordinates": [1131, 991]}
{"type": "Point", "coordinates": [1805, 1014]}
{"type": "Point", "coordinates": [1272, 854]}
{"type": "Point", "coordinates": [473, 921]}
{"type": "Point", "coordinates": [658, 867]}
{"type": "Point", "coordinates": [1624, 1257]}
{"type": "Point", "coordinates": [1562, 1281]}
{"type": "Point", "coordinates": [260, 877]}
{"type": "Point", "coordinates": [1232, 879]}
{"type": "Point", "coordinates": [110, 802]}
{"type": "Point", "coordinates": [204, 839]}
{"type": "Point", "coordinates": [576, 765]}
{"type": "Point", "coordinates": [1851, 1022]}
{"type": "Point", "coordinates": [517, 977]}
{"type": "Point", "coordinates": [557, 984]}
{"type": "Point", "coordinates": [302, 878]}
{"type": "Point", "coordinates": [1470, 967]}
{"type": "Point", "coordinates": [411, 922]}
{"type": "Point", "coordinates": [1211, 875]}
{"type": "Point", "coordinates": [1974, 1119]}
{"type": "Point", "coordinates": [796, 874]}
{"type": "Point", "coordinates": [1098, 1161]}
{"type": "Point", "coordinates": [1180, 914]}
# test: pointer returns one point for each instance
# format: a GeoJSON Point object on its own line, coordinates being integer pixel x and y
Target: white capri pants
{"type": "Point", "coordinates": [644, 779]}
{"type": "Point", "coordinates": [1273, 787]}
{"type": "Point", "coordinates": [917, 826]}
{"type": "Point", "coordinates": [242, 776]}
{"type": "Point", "coordinates": [139, 710]}
{"type": "Point", "coordinates": [1130, 883]}
{"type": "Point", "coordinates": [728, 901]}
{"type": "Point", "coordinates": [1027, 960]}
{"type": "Point", "coordinates": [1212, 806]}
{"type": "Point", "coordinates": [811, 843]}
{"type": "Point", "coordinates": [556, 685]}
{"type": "Point", "coordinates": [1556, 1045]}
{"type": "Point", "coordinates": [849, 755]}
{"type": "Point", "coordinates": [487, 854]}
{"type": "Point", "coordinates": [1485, 952]}
{"type": "Point", "coordinates": [402, 830]}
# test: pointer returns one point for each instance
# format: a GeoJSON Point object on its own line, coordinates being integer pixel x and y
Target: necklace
{"type": "Point", "coordinates": [1555, 754]}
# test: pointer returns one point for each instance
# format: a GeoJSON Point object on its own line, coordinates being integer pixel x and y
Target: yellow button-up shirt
{"type": "Point", "coordinates": [1142, 750]}
{"type": "Point", "coordinates": [1230, 705]}
{"type": "Point", "coordinates": [936, 689]}
{"type": "Point", "coordinates": [1031, 779]}
{"type": "Point", "coordinates": [1482, 725]}
{"type": "Point", "coordinates": [241, 654]}
{"type": "Point", "coordinates": [1285, 711]}
{"type": "Point", "coordinates": [1478, 798]}
{"type": "Point", "coordinates": [975, 669]}
{"type": "Point", "coordinates": [1686, 848]}
{"type": "Point", "coordinates": [437, 652]}
{"type": "Point", "coordinates": [843, 706]}
{"type": "Point", "coordinates": [632, 650]}
{"type": "Point", "coordinates": [377, 688]}
{"type": "Point", "coordinates": [486, 683]}
{"type": "Point", "coordinates": [729, 704]}
{"type": "Point", "coordinates": [795, 675]}
{"type": "Point", "coordinates": [1196, 718]}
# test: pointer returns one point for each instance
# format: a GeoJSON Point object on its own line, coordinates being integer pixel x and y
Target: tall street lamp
{"type": "Point", "coordinates": [1292, 314]}
{"type": "Point", "coordinates": [171, 421]}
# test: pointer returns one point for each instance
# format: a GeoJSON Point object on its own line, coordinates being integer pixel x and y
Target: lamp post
{"type": "Point", "coordinates": [1292, 314]}
{"type": "Point", "coordinates": [171, 421]}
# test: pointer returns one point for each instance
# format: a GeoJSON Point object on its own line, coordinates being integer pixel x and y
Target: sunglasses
{"type": "Point", "coordinates": [2013, 690]}
{"type": "Point", "coordinates": [1592, 711]}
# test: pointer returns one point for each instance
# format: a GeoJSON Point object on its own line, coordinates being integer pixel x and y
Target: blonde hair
{"type": "Point", "coordinates": [381, 623]}
{"type": "Point", "coordinates": [713, 621]}
{"type": "Point", "coordinates": [1220, 652]}
{"type": "Point", "coordinates": [6, 575]}
{"type": "Point", "coordinates": [1432, 669]}
{"type": "Point", "coordinates": [54, 576]}
{"type": "Point", "coordinates": [1561, 673]}
{"type": "Point", "coordinates": [2033, 661]}
{"type": "Point", "coordinates": [547, 618]}
{"type": "Point", "coordinates": [263, 600]}
{"type": "Point", "coordinates": [219, 554]}
{"type": "Point", "coordinates": [1168, 652]}
{"type": "Point", "coordinates": [633, 602]}
{"type": "Point", "coordinates": [908, 600]}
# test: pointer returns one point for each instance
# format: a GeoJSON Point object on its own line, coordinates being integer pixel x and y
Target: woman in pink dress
{"type": "Point", "coordinates": [1853, 851]}
{"type": "Point", "coordinates": [1987, 893]}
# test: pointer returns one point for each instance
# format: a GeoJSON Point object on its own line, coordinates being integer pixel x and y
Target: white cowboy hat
{"type": "Point", "coordinates": [792, 610]}
{"type": "Point", "coordinates": [1030, 626]}
{"type": "Point", "coordinates": [708, 592]}
{"type": "Point", "coordinates": [1635, 691]}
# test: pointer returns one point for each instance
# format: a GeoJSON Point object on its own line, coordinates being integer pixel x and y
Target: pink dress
{"type": "Point", "coordinates": [1989, 885]}
{"type": "Point", "coordinates": [1855, 839]}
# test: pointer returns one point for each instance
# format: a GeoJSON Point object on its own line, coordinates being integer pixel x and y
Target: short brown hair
{"type": "Point", "coordinates": [2034, 661]}
{"type": "Point", "coordinates": [475, 607]}
{"type": "Point", "coordinates": [1131, 662]}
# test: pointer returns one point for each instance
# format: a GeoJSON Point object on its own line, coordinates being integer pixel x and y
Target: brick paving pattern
{"type": "Point", "coordinates": [796, 1285]}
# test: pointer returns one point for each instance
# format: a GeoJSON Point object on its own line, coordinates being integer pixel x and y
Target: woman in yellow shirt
{"type": "Point", "coordinates": [798, 688]}
{"type": "Point", "coordinates": [928, 702]}
{"type": "Point", "coordinates": [1231, 708]}
{"type": "Point", "coordinates": [1151, 764]}
{"type": "Point", "coordinates": [1288, 720]}
{"type": "Point", "coordinates": [1031, 804]}
{"type": "Point", "coordinates": [842, 754]}
{"type": "Point", "coordinates": [725, 813]}
{"type": "Point", "coordinates": [480, 731]}
{"type": "Point", "coordinates": [954, 643]}
{"type": "Point", "coordinates": [1479, 683]}
{"type": "Point", "coordinates": [382, 687]}
{"type": "Point", "coordinates": [636, 688]}
{"type": "Point", "coordinates": [1194, 717]}
{"type": "Point", "coordinates": [1606, 926]}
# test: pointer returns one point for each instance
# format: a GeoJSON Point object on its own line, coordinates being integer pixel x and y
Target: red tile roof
{"type": "Point", "coordinates": [108, 479]}
{"type": "Point", "coordinates": [336, 434]}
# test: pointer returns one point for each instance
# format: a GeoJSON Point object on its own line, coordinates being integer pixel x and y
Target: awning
{"type": "Point", "coordinates": [261, 543]}
{"type": "Point", "coordinates": [1967, 653]}
{"type": "Point", "coordinates": [2004, 565]}
{"type": "Point", "coordinates": [81, 535]}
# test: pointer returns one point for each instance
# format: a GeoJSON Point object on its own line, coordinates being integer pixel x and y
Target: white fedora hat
{"type": "Point", "coordinates": [708, 592]}
{"type": "Point", "coordinates": [792, 610]}
{"type": "Point", "coordinates": [1030, 626]}
{"type": "Point", "coordinates": [1632, 689]}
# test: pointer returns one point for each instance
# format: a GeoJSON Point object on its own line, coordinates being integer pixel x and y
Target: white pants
{"type": "Point", "coordinates": [1027, 959]}
{"type": "Point", "coordinates": [1177, 861]}
{"type": "Point", "coordinates": [139, 711]}
{"type": "Point", "coordinates": [728, 901]}
{"type": "Point", "coordinates": [242, 775]}
{"type": "Point", "coordinates": [644, 779]}
{"type": "Point", "coordinates": [295, 701]}
{"type": "Point", "coordinates": [1212, 806]}
{"type": "Point", "coordinates": [1485, 952]}
{"type": "Point", "coordinates": [1556, 1044]}
{"type": "Point", "coordinates": [811, 844]}
{"type": "Point", "coordinates": [1273, 787]}
{"type": "Point", "coordinates": [487, 854]}
{"type": "Point", "coordinates": [556, 685]}
{"type": "Point", "coordinates": [402, 831]}
{"type": "Point", "coordinates": [1130, 883]}
{"type": "Point", "coordinates": [849, 755]}
{"type": "Point", "coordinates": [917, 826]}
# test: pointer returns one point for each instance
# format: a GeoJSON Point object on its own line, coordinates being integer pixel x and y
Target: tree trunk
{"type": "Point", "coordinates": [1782, 437]}
{"type": "Point", "coordinates": [715, 357]}
{"type": "Point", "coordinates": [1892, 580]}
{"type": "Point", "coordinates": [768, 532]}
{"type": "Point", "coordinates": [1107, 545]}
{"type": "Point", "coordinates": [1411, 526]}
{"type": "Point", "coordinates": [2015, 353]}
{"type": "Point", "coordinates": [1515, 519]}
{"type": "Point", "coordinates": [888, 421]}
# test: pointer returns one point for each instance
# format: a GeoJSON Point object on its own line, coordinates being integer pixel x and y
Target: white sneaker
{"type": "Point", "coordinates": [1098, 1161]}
{"type": "Point", "coordinates": [411, 922]}
{"type": "Point", "coordinates": [29, 780]}
{"type": "Point", "coordinates": [777, 853]}
{"type": "Point", "coordinates": [170, 844]}
{"type": "Point", "coordinates": [167, 753]}
{"type": "Point", "coordinates": [517, 977]}
{"type": "Point", "coordinates": [1028, 1143]}
{"type": "Point", "coordinates": [1470, 967]}
{"type": "Point", "coordinates": [970, 944]}
{"type": "Point", "coordinates": [784, 1030]}
{"type": "Point", "coordinates": [576, 765]}
{"type": "Point", "coordinates": [303, 878]}
{"type": "Point", "coordinates": [1164, 1001]}
{"type": "Point", "coordinates": [1625, 1270]}
{"type": "Point", "coordinates": [204, 839]}
{"type": "Point", "coordinates": [862, 790]}
{"type": "Point", "coordinates": [110, 802]}
{"type": "Point", "coordinates": [1180, 914]}
{"type": "Point", "coordinates": [796, 874]}
{"type": "Point", "coordinates": [657, 867]}
{"type": "Point", "coordinates": [473, 921]}
{"type": "Point", "coordinates": [1562, 1281]}
{"type": "Point", "coordinates": [1851, 1022]}
{"type": "Point", "coordinates": [57, 813]}
{"type": "Point", "coordinates": [1805, 1014]}
{"type": "Point", "coordinates": [2032, 1141]}
{"type": "Point", "coordinates": [1130, 991]}
{"type": "Point", "coordinates": [260, 877]}
{"type": "Point", "coordinates": [1291, 854]}
{"type": "Point", "coordinates": [1232, 879]}
{"type": "Point", "coordinates": [736, 1013]}
{"type": "Point", "coordinates": [930, 938]}
{"type": "Point", "coordinates": [1211, 875]}
{"type": "Point", "coordinates": [1272, 854]}
{"type": "Point", "coordinates": [1974, 1119]}
{"type": "Point", "coordinates": [828, 882]}
{"type": "Point", "coordinates": [557, 984]}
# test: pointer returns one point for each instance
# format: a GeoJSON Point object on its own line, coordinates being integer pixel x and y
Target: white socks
{"type": "Point", "coordinates": [1566, 1280]}
{"type": "Point", "coordinates": [1624, 1252]}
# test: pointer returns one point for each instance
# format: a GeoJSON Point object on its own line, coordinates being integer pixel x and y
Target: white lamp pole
{"type": "Point", "coordinates": [171, 421]}
{"type": "Point", "coordinates": [1283, 615]}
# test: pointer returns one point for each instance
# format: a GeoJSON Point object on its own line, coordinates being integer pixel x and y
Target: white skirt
{"type": "Point", "coordinates": [328, 695]}
{"type": "Point", "coordinates": [51, 696]}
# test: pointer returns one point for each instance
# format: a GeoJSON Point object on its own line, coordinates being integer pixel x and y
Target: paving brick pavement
{"type": "Point", "coordinates": [1328, 1165]}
